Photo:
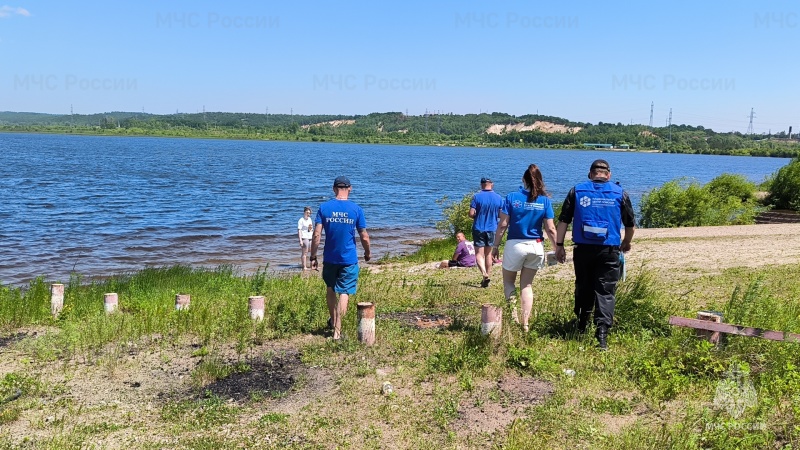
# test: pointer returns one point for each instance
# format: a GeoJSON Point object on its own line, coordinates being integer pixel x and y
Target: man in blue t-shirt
{"type": "Point", "coordinates": [484, 210]}
{"type": "Point", "coordinates": [342, 220]}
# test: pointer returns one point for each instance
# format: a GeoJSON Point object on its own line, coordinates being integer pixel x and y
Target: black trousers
{"type": "Point", "coordinates": [596, 275]}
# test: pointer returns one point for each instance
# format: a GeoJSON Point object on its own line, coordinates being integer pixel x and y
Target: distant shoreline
{"type": "Point", "coordinates": [327, 141]}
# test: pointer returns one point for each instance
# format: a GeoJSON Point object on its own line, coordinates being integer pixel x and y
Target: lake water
{"type": "Point", "coordinates": [104, 205]}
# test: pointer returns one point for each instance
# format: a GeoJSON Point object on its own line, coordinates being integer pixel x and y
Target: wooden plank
{"type": "Point", "coordinates": [734, 329]}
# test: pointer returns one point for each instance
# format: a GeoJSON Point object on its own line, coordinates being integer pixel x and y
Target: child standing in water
{"type": "Point", "coordinates": [305, 229]}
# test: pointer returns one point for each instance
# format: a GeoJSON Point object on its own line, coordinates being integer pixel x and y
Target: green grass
{"type": "Point", "coordinates": [657, 381]}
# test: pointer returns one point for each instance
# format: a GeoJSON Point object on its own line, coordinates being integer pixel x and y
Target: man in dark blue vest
{"type": "Point", "coordinates": [600, 209]}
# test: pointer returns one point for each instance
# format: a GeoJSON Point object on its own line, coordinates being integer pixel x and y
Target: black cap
{"type": "Point", "coordinates": [485, 180]}
{"type": "Point", "coordinates": [600, 164]}
{"type": "Point", "coordinates": [341, 182]}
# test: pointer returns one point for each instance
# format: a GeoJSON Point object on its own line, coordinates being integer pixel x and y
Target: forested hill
{"type": "Point", "coordinates": [495, 129]}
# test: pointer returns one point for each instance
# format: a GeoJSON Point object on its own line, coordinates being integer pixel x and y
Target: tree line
{"type": "Point", "coordinates": [396, 127]}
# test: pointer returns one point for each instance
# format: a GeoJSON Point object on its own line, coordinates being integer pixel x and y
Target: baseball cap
{"type": "Point", "coordinates": [486, 180]}
{"type": "Point", "coordinates": [600, 164]}
{"type": "Point", "coordinates": [341, 182]}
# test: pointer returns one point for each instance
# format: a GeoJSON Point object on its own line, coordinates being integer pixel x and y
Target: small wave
{"type": "Point", "coordinates": [251, 237]}
{"type": "Point", "coordinates": [196, 237]}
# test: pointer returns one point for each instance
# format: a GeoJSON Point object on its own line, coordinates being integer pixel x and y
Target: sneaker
{"type": "Point", "coordinates": [330, 323]}
{"type": "Point", "coordinates": [485, 283]}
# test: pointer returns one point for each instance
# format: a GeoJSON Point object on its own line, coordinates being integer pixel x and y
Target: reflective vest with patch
{"type": "Point", "coordinates": [598, 216]}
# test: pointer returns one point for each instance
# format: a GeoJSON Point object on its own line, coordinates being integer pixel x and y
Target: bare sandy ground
{"type": "Point", "coordinates": [688, 252]}
{"type": "Point", "coordinates": [713, 249]}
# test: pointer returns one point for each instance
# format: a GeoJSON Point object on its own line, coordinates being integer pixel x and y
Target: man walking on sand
{"type": "Point", "coordinates": [341, 219]}
{"type": "Point", "coordinates": [485, 211]}
{"type": "Point", "coordinates": [600, 209]}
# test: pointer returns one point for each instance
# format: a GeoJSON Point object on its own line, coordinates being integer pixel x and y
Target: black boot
{"type": "Point", "coordinates": [602, 337]}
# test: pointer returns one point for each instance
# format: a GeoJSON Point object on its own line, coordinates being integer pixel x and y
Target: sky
{"type": "Point", "coordinates": [711, 63]}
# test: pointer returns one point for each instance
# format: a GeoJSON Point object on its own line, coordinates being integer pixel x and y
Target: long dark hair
{"type": "Point", "coordinates": [534, 183]}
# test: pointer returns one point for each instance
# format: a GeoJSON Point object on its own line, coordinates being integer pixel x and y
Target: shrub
{"type": "Point", "coordinates": [732, 185]}
{"type": "Point", "coordinates": [726, 200]}
{"type": "Point", "coordinates": [456, 216]}
{"type": "Point", "coordinates": [784, 192]}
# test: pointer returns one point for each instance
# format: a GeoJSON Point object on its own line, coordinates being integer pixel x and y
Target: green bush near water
{"type": "Point", "coordinates": [726, 200]}
{"type": "Point", "coordinates": [456, 216]}
{"type": "Point", "coordinates": [784, 187]}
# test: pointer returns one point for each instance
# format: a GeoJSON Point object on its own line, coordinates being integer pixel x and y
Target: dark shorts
{"type": "Point", "coordinates": [482, 238]}
{"type": "Point", "coordinates": [454, 263]}
{"type": "Point", "coordinates": [342, 278]}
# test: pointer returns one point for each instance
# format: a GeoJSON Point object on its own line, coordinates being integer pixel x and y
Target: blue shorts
{"type": "Point", "coordinates": [342, 278]}
{"type": "Point", "coordinates": [482, 238]}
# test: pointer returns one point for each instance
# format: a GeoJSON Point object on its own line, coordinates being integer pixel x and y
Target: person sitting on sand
{"type": "Point", "coordinates": [464, 256]}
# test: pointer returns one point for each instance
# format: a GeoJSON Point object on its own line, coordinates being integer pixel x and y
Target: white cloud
{"type": "Point", "coordinates": [8, 11]}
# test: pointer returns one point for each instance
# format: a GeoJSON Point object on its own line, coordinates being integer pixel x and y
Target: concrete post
{"type": "Point", "coordinates": [366, 323]}
{"type": "Point", "coordinates": [256, 304]}
{"type": "Point", "coordinates": [56, 299]}
{"type": "Point", "coordinates": [182, 301]}
{"type": "Point", "coordinates": [111, 302]}
{"type": "Point", "coordinates": [491, 320]}
{"type": "Point", "coordinates": [711, 316]}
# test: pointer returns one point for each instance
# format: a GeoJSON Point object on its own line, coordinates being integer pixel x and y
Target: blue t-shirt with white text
{"type": "Point", "coordinates": [341, 220]}
{"type": "Point", "coordinates": [525, 218]}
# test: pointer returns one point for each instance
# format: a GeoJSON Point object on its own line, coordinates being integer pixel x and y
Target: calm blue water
{"type": "Point", "coordinates": [103, 205]}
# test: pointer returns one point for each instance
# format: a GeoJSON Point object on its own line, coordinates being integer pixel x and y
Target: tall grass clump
{"type": "Point", "coordinates": [433, 250]}
{"type": "Point", "coordinates": [726, 200]}
{"type": "Point", "coordinates": [20, 307]}
{"type": "Point", "coordinates": [639, 307]}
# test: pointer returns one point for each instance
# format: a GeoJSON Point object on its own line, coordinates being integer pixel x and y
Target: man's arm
{"type": "Point", "coordinates": [315, 245]}
{"type": "Point", "coordinates": [498, 235]}
{"type": "Point", "coordinates": [564, 219]}
{"type": "Point", "coordinates": [625, 246]}
{"type": "Point", "coordinates": [629, 221]}
{"type": "Point", "coordinates": [362, 233]}
{"type": "Point", "coordinates": [457, 253]}
{"type": "Point", "coordinates": [472, 211]}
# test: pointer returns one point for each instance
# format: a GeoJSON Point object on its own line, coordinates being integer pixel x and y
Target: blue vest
{"type": "Point", "coordinates": [598, 213]}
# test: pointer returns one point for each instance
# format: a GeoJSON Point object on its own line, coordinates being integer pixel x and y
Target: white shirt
{"type": "Point", "coordinates": [306, 227]}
